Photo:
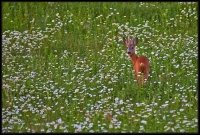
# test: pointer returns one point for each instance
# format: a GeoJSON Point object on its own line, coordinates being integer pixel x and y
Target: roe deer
{"type": "Point", "coordinates": [141, 64]}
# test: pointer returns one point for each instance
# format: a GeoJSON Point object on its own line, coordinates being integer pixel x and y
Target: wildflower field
{"type": "Point", "coordinates": [65, 68]}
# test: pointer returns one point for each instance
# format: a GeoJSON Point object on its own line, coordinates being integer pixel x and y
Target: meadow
{"type": "Point", "coordinates": [65, 68]}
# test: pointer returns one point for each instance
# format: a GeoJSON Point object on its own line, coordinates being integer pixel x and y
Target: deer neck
{"type": "Point", "coordinates": [134, 58]}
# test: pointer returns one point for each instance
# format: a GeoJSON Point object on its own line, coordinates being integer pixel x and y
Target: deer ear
{"type": "Point", "coordinates": [136, 40]}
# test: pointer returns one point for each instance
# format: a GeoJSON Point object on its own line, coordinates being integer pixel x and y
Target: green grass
{"type": "Point", "coordinates": [65, 68]}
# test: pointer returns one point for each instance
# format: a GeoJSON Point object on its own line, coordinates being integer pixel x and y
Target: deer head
{"type": "Point", "coordinates": [130, 43]}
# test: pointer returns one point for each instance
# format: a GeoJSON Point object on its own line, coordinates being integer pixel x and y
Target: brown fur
{"type": "Point", "coordinates": [141, 64]}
